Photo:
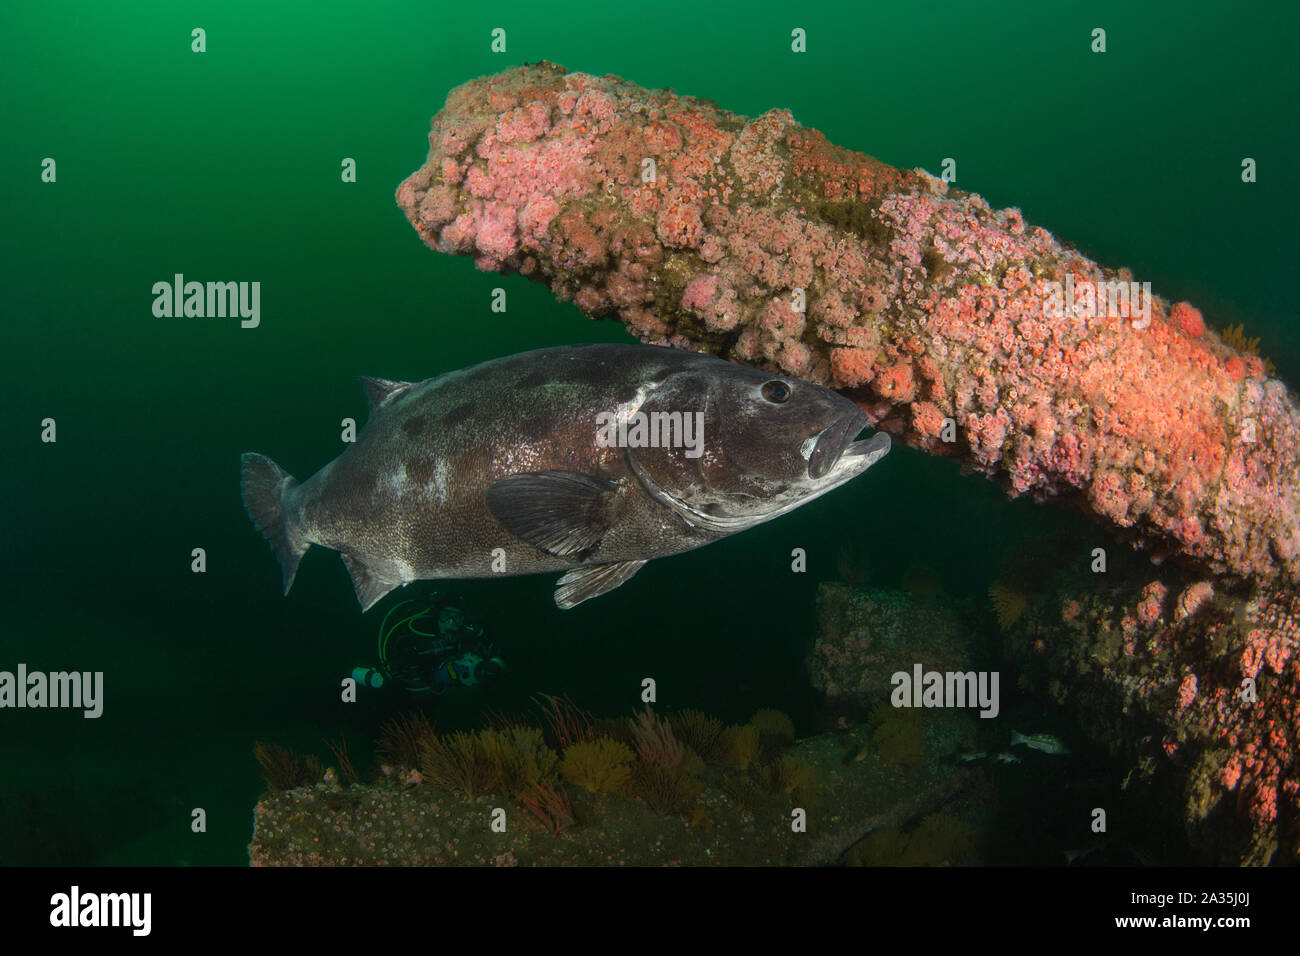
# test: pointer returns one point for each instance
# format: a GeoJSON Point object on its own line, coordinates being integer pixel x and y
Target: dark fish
{"type": "Point", "coordinates": [590, 459]}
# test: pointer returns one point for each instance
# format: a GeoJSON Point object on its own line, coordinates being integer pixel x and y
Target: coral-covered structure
{"type": "Point", "coordinates": [1199, 690]}
{"type": "Point", "coordinates": [961, 329]}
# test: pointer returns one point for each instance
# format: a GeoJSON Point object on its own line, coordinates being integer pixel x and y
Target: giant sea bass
{"type": "Point", "coordinates": [586, 459]}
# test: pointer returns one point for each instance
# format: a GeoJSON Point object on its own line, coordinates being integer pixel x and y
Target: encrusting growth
{"type": "Point", "coordinates": [959, 328]}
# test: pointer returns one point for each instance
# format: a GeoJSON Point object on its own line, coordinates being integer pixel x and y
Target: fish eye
{"type": "Point", "coordinates": [775, 391]}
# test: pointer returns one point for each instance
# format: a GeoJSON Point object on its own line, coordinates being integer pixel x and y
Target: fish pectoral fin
{"type": "Point", "coordinates": [564, 513]}
{"type": "Point", "coordinates": [582, 584]}
{"type": "Point", "coordinates": [369, 585]}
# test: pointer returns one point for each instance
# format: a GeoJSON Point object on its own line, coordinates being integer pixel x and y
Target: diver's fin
{"type": "Point", "coordinates": [564, 513]}
{"type": "Point", "coordinates": [582, 584]}
{"type": "Point", "coordinates": [262, 485]}
{"type": "Point", "coordinates": [370, 587]}
{"type": "Point", "coordinates": [380, 391]}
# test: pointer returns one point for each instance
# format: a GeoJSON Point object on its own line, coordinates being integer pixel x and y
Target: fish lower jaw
{"type": "Point", "coordinates": [857, 458]}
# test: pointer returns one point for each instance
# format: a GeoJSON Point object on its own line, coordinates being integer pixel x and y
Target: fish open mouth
{"type": "Point", "coordinates": [837, 440]}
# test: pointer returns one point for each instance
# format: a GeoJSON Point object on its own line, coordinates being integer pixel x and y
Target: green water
{"type": "Point", "coordinates": [225, 165]}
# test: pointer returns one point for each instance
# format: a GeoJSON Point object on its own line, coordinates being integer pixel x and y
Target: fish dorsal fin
{"type": "Point", "coordinates": [380, 391]}
{"type": "Point", "coordinates": [564, 513]}
{"type": "Point", "coordinates": [581, 584]}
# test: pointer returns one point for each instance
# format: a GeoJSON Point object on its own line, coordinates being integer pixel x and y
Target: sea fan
{"type": "Point", "coordinates": [1234, 336]}
{"type": "Point", "coordinates": [283, 769]}
{"type": "Point", "coordinates": [457, 762]}
{"type": "Point", "coordinates": [601, 764]}
{"type": "Point", "coordinates": [701, 733]}
{"type": "Point", "coordinates": [654, 739]}
{"type": "Point", "coordinates": [400, 739]}
{"type": "Point", "coordinates": [774, 727]}
{"type": "Point", "coordinates": [740, 744]}
{"type": "Point", "coordinates": [1008, 603]}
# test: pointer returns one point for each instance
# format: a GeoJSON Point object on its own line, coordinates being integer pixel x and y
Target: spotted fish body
{"type": "Point", "coordinates": [507, 468]}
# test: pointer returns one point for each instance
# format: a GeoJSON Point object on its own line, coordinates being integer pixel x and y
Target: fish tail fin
{"type": "Point", "coordinates": [1017, 737]}
{"type": "Point", "coordinates": [263, 485]}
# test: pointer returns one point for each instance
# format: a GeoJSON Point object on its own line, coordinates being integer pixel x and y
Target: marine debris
{"type": "Point", "coordinates": [961, 329]}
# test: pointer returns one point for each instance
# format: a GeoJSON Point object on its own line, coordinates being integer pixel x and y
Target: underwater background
{"type": "Point", "coordinates": [225, 165]}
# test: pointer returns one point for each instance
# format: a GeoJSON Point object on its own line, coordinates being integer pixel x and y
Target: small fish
{"type": "Point", "coordinates": [972, 756]}
{"type": "Point", "coordinates": [858, 753]}
{"type": "Point", "coordinates": [1044, 742]}
{"type": "Point", "coordinates": [1006, 758]}
{"type": "Point", "coordinates": [589, 460]}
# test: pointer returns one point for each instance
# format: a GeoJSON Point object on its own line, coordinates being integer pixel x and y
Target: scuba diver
{"type": "Point", "coordinates": [427, 646]}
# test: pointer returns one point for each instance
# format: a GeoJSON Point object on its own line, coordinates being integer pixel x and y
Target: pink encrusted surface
{"type": "Point", "coordinates": [921, 302]}
{"type": "Point", "coordinates": [1212, 678]}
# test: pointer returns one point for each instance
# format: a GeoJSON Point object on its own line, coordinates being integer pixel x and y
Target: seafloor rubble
{"type": "Point", "coordinates": [865, 636]}
{"type": "Point", "coordinates": [636, 793]}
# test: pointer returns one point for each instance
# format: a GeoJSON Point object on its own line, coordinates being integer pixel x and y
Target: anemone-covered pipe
{"type": "Point", "coordinates": [959, 328]}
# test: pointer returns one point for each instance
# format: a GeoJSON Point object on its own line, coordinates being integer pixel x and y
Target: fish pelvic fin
{"type": "Point", "coordinates": [582, 584]}
{"type": "Point", "coordinates": [263, 485]}
{"type": "Point", "coordinates": [369, 585]}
